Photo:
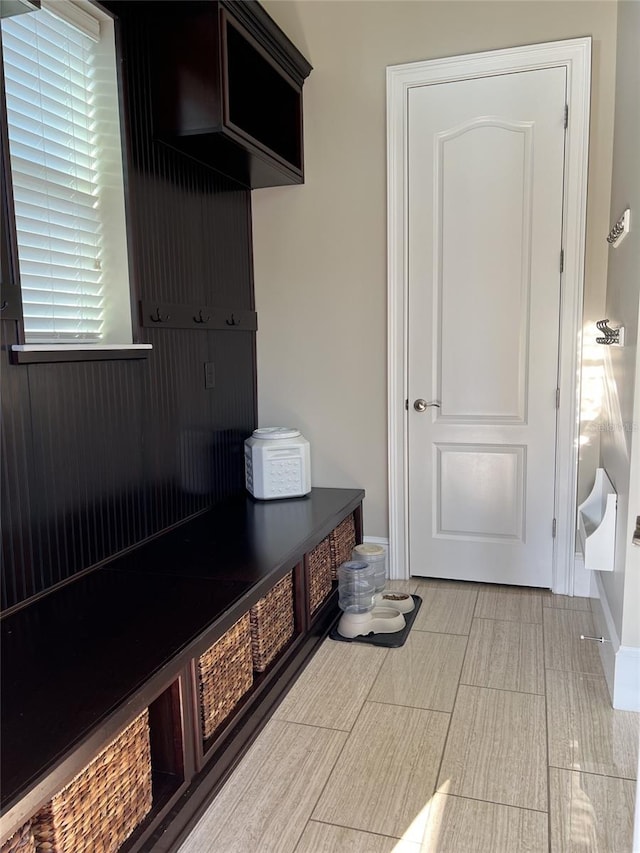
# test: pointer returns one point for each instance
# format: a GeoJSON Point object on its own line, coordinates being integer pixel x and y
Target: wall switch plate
{"type": "Point", "coordinates": [209, 375]}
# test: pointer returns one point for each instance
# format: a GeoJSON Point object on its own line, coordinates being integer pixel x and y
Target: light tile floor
{"type": "Point", "coordinates": [489, 731]}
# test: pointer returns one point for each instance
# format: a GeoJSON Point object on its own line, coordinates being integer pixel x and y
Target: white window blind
{"type": "Point", "coordinates": [55, 154]}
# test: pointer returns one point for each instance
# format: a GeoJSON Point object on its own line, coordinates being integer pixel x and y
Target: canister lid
{"type": "Point", "coordinates": [369, 550]}
{"type": "Point", "coordinates": [271, 433]}
{"type": "Point", "coordinates": [357, 566]}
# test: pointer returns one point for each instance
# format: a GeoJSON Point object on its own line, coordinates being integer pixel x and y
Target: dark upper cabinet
{"type": "Point", "coordinates": [227, 90]}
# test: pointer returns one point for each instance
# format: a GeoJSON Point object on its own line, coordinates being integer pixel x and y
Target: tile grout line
{"type": "Point", "coordinates": [519, 625]}
{"type": "Point", "coordinates": [546, 639]}
{"type": "Point", "coordinates": [565, 631]}
{"type": "Point", "coordinates": [322, 790]}
{"type": "Point", "coordinates": [446, 589]}
{"type": "Point", "coordinates": [501, 689]}
{"type": "Point", "coordinates": [495, 803]}
{"type": "Point", "coordinates": [449, 714]}
{"type": "Point", "coordinates": [593, 773]}
{"type": "Point", "coordinates": [256, 771]}
{"type": "Point", "coordinates": [340, 751]}
{"type": "Point", "coordinates": [508, 621]}
{"type": "Point", "coordinates": [449, 633]}
{"type": "Point", "coordinates": [453, 707]}
{"type": "Point", "coordinates": [349, 730]}
{"type": "Point", "coordinates": [373, 681]}
{"type": "Point", "coordinates": [546, 730]}
{"type": "Point", "coordinates": [575, 672]}
{"type": "Point", "coordinates": [353, 829]}
{"type": "Point", "coordinates": [408, 707]}
{"type": "Point", "coordinates": [310, 725]}
{"type": "Point", "coordinates": [346, 740]}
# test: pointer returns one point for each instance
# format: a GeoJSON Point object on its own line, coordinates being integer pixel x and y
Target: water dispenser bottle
{"type": "Point", "coordinates": [357, 598]}
{"type": "Point", "coordinates": [356, 586]}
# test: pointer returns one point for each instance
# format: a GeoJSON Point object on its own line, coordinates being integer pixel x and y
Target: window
{"type": "Point", "coordinates": [66, 165]}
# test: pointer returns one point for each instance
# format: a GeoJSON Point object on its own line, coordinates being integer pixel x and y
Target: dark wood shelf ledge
{"type": "Point", "coordinates": [82, 661]}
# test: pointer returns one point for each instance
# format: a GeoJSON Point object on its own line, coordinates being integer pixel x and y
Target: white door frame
{"type": "Point", "coordinates": [575, 56]}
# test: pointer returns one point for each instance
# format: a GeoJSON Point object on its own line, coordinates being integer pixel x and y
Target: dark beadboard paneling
{"type": "Point", "coordinates": [234, 357]}
{"type": "Point", "coordinates": [86, 433]}
{"type": "Point", "coordinates": [19, 577]}
{"type": "Point", "coordinates": [97, 456]}
{"type": "Point", "coordinates": [227, 268]}
{"type": "Point", "coordinates": [196, 222]}
{"type": "Point", "coordinates": [178, 411]}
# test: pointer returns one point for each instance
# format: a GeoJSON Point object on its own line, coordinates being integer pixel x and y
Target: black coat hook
{"type": "Point", "coordinates": [232, 321]}
{"type": "Point", "coordinates": [200, 318]}
{"type": "Point", "coordinates": [610, 336]}
{"type": "Point", "coordinates": [158, 317]}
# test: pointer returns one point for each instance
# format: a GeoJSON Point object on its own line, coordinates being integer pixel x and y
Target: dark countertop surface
{"type": "Point", "coordinates": [71, 658]}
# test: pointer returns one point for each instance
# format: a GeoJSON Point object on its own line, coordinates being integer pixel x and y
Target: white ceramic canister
{"type": "Point", "coordinates": [374, 555]}
{"type": "Point", "coordinates": [277, 463]}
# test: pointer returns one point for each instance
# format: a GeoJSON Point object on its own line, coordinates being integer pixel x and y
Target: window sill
{"type": "Point", "coordinates": [43, 353]}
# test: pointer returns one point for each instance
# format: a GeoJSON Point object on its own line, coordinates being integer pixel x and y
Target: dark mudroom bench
{"type": "Point", "coordinates": [81, 663]}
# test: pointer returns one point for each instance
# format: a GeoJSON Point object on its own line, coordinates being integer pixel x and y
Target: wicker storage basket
{"type": "Point", "coordinates": [99, 809]}
{"type": "Point", "coordinates": [343, 541]}
{"type": "Point", "coordinates": [319, 574]}
{"type": "Point", "coordinates": [21, 841]}
{"type": "Point", "coordinates": [272, 623]}
{"type": "Point", "coordinates": [225, 673]}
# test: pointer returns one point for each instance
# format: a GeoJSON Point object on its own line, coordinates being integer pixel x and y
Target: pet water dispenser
{"type": "Point", "coordinates": [375, 556]}
{"type": "Point", "coordinates": [356, 598]}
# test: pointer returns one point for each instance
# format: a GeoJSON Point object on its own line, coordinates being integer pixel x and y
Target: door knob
{"type": "Point", "coordinates": [422, 405]}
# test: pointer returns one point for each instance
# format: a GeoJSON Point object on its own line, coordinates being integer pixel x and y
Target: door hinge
{"type": "Point", "coordinates": [566, 116]}
{"type": "Point", "coordinates": [557, 398]}
{"type": "Point", "coordinates": [561, 260]}
{"type": "Point", "coordinates": [553, 529]}
{"type": "Point", "coordinates": [406, 405]}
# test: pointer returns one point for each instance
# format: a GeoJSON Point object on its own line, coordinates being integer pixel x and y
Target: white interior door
{"type": "Point", "coordinates": [485, 177]}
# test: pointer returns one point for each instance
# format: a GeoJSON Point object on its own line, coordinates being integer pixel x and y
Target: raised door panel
{"type": "Point", "coordinates": [479, 491]}
{"type": "Point", "coordinates": [483, 233]}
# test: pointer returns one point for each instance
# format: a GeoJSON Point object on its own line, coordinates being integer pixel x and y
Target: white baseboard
{"type": "Point", "coordinates": [626, 695]}
{"type": "Point", "coordinates": [605, 628]}
{"type": "Point", "coordinates": [379, 540]}
{"type": "Point", "coordinates": [636, 822]}
{"type": "Point", "coordinates": [583, 579]}
{"type": "Point", "coordinates": [621, 664]}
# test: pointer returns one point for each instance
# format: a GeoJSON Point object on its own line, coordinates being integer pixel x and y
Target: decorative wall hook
{"type": "Point", "coordinates": [158, 317]}
{"type": "Point", "coordinates": [620, 229]}
{"type": "Point", "coordinates": [232, 321]}
{"type": "Point", "coordinates": [611, 337]}
{"type": "Point", "coordinates": [200, 318]}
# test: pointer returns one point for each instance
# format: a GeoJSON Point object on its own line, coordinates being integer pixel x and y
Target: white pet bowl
{"type": "Point", "coordinates": [380, 620]}
{"type": "Point", "coordinates": [400, 601]}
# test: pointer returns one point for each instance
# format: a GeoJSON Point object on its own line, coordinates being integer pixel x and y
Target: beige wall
{"type": "Point", "coordinates": [320, 249]}
{"type": "Point", "coordinates": [621, 415]}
